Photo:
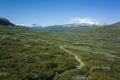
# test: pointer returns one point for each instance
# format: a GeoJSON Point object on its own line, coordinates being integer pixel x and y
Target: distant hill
{"type": "Point", "coordinates": [113, 26]}
{"type": "Point", "coordinates": [66, 27]}
{"type": "Point", "coordinates": [116, 25]}
{"type": "Point", "coordinates": [5, 22]}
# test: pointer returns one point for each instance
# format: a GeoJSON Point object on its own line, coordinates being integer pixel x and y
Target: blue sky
{"type": "Point", "coordinates": [52, 12]}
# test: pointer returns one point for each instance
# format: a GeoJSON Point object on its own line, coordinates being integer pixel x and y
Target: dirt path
{"type": "Point", "coordinates": [81, 64]}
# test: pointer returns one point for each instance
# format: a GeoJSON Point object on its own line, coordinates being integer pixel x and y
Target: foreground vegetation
{"type": "Point", "coordinates": [27, 54]}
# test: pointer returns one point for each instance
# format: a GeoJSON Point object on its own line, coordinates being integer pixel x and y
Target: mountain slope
{"type": "Point", "coordinates": [5, 22]}
{"type": "Point", "coordinates": [116, 25]}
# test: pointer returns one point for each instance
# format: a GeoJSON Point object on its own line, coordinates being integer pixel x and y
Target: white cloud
{"type": "Point", "coordinates": [89, 21]}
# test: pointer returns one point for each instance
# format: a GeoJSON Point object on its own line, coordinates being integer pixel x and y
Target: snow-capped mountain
{"type": "Point", "coordinates": [84, 22]}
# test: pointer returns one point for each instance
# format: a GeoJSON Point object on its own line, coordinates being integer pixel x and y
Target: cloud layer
{"type": "Point", "coordinates": [89, 21]}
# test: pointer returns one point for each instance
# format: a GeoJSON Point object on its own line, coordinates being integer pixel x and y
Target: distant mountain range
{"type": "Point", "coordinates": [6, 22]}
{"type": "Point", "coordinates": [73, 26]}
{"type": "Point", "coordinates": [78, 24]}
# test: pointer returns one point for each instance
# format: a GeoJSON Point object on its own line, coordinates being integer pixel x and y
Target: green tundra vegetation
{"type": "Point", "coordinates": [35, 54]}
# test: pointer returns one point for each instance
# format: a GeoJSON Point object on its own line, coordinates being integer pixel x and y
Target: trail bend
{"type": "Point", "coordinates": [81, 63]}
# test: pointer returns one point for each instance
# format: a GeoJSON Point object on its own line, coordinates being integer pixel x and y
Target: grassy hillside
{"type": "Point", "coordinates": [27, 54]}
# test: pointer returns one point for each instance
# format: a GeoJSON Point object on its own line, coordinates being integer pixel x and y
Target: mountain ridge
{"type": "Point", "coordinates": [6, 22]}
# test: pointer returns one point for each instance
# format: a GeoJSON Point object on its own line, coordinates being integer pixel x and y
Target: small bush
{"type": "Point", "coordinates": [33, 41]}
{"type": "Point", "coordinates": [80, 77]}
{"type": "Point", "coordinates": [102, 67]}
{"type": "Point", "coordinates": [8, 37]}
{"type": "Point", "coordinates": [27, 46]}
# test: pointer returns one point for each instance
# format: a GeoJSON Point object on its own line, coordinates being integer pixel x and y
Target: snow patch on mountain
{"type": "Point", "coordinates": [85, 21]}
{"type": "Point", "coordinates": [23, 25]}
{"type": "Point", "coordinates": [31, 26]}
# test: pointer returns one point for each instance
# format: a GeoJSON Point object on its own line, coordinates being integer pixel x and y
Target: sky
{"type": "Point", "coordinates": [56, 12]}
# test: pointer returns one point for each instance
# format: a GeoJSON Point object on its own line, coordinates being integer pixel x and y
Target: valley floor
{"type": "Point", "coordinates": [80, 54]}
